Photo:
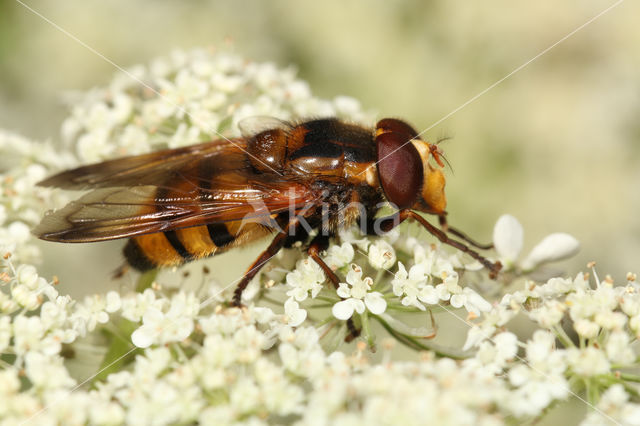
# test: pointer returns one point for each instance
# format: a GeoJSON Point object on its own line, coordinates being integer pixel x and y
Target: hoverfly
{"type": "Point", "coordinates": [178, 205]}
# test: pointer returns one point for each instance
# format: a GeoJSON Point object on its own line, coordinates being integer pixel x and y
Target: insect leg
{"type": "Point", "coordinates": [318, 244]}
{"type": "Point", "coordinates": [274, 247]}
{"type": "Point", "coordinates": [388, 223]}
{"type": "Point", "coordinates": [446, 228]}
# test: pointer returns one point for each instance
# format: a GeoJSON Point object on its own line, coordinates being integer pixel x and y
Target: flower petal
{"type": "Point", "coordinates": [475, 303]}
{"type": "Point", "coordinates": [144, 336]}
{"type": "Point", "coordinates": [375, 302]}
{"type": "Point", "coordinates": [344, 290]}
{"type": "Point", "coordinates": [457, 300]}
{"type": "Point", "coordinates": [358, 305]}
{"type": "Point", "coordinates": [553, 247]}
{"type": "Point", "coordinates": [507, 238]}
{"type": "Point", "coordinates": [343, 310]}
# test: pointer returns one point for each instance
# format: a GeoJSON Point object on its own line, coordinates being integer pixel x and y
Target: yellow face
{"type": "Point", "coordinates": [433, 199]}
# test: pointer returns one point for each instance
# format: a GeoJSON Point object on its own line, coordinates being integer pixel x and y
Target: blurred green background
{"type": "Point", "coordinates": [556, 144]}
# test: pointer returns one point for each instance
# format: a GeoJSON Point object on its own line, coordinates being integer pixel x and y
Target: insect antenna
{"type": "Point", "coordinates": [438, 154]}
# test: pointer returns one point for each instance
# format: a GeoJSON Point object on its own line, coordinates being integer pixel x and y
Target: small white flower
{"type": "Point", "coordinates": [357, 296]}
{"type": "Point", "coordinates": [586, 328]}
{"type": "Point", "coordinates": [305, 279]}
{"type": "Point", "coordinates": [549, 314]}
{"type": "Point", "coordinates": [114, 303]}
{"type": "Point", "coordinates": [184, 135]}
{"type": "Point", "coordinates": [437, 264]}
{"type": "Point", "coordinates": [409, 284]}
{"type": "Point", "coordinates": [354, 237]}
{"type": "Point", "coordinates": [135, 305]}
{"type": "Point", "coordinates": [611, 320]}
{"type": "Point", "coordinates": [89, 314]}
{"type": "Point", "coordinates": [24, 297]}
{"type": "Point", "coordinates": [473, 302]}
{"type": "Point", "coordinates": [588, 362]}
{"type": "Point", "coordinates": [508, 240]}
{"type": "Point", "coordinates": [496, 353]}
{"type": "Point", "coordinates": [339, 255]}
{"type": "Point", "coordinates": [46, 371]}
{"type": "Point", "coordinates": [618, 348]}
{"type": "Point", "coordinates": [506, 345]}
{"type": "Point", "coordinates": [596, 305]}
{"type": "Point", "coordinates": [30, 336]}
{"type": "Point", "coordinates": [175, 325]}
{"type": "Point", "coordinates": [294, 314]}
{"type": "Point", "coordinates": [552, 248]}
{"type": "Point", "coordinates": [54, 313]}
{"type": "Point", "coordinates": [10, 382]}
{"type": "Point", "coordinates": [189, 87]}
{"type": "Point", "coordinates": [476, 335]}
{"type": "Point", "coordinates": [634, 325]}
{"type": "Point", "coordinates": [540, 347]}
{"type": "Point", "coordinates": [630, 303]}
{"type": "Point", "coordinates": [556, 287]}
{"type": "Point", "coordinates": [134, 140]}
{"type": "Point", "coordinates": [94, 146]}
{"type": "Point", "coordinates": [106, 412]}
{"type": "Point", "coordinates": [381, 254]}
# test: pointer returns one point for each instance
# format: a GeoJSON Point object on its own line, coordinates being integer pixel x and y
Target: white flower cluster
{"type": "Point", "coordinates": [170, 356]}
{"type": "Point", "coordinates": [35, 323]}
{"type": "Point", "coordinates": [595, 328]}
{"type": "Point", "coordinates": [190, 97]}
{"type": "Point", "coordinates": [23, 163]}
{"type": "Point", "coordinates": [432, 281]}
{"type": "Point", "coordinates": [227, 373]}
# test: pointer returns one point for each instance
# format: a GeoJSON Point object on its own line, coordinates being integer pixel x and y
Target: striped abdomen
{"type": "Point", "coordinates": [173, 248]}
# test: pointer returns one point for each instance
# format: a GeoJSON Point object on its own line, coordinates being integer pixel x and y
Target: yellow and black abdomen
{"type": "Point", "coordinates": [173, 248]}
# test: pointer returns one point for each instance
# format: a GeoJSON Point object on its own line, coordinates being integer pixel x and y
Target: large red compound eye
{"type": "Point", "coordinates": [399, 168]}
{"type": "Point", "coordinates": [396, 126]}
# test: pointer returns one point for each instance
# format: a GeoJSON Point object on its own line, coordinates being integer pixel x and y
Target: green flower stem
{"type": "Point", "coordinates": [327, 320]}
{"type": "Point", "coordinates": [338, 338]}
{"type": "Point", "coordinates": [331, 300]}
{"type": "Point", "coordinates": [181, 356]}
{"type": "Point", "coordinates": [402, 308]}
{"type": "Point", "coordinates": [145, 280]}
{"type": "Point", "coordinates": [366, 330]}
{"type": "Point", "coordinates": [563, 337]}
{"type": "Point", "coordinates": [420, 344]}
{"type": "Point", "coordinates": [593, 391]}
{"type": "Point", "coordinates": [377, 281]}
{"type": "Point", "coordinates": [630, 377]}
{"type": "Point", "coordinates": [119, 352]}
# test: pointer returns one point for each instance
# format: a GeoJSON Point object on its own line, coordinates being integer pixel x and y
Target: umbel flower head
{"type": "Point", "coordinates": [168, 354]}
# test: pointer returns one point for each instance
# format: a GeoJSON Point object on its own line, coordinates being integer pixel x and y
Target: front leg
{"type": "Point", "coordinates": [386, 224]}
{"type": "Point", "coordinates": [447, 228]}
